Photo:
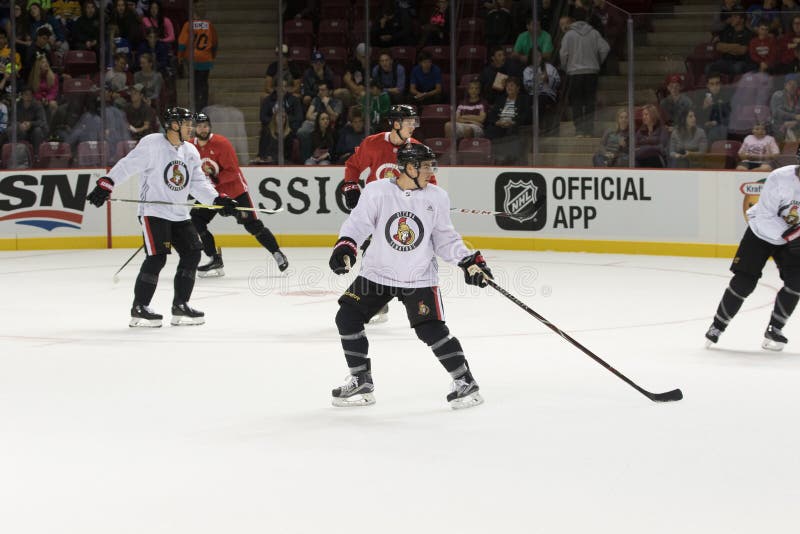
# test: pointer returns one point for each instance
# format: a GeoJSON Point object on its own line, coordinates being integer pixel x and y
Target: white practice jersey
{"type": "Point", "coordinates": [166, 174]}
{"type": "Point", "coordinates": [409, 229]}
{"type": "Point", "coordinates": [779, 196]}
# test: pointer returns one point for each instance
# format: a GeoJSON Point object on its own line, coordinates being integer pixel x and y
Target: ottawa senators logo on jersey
{"type": "Point", "coordinates": [423, 308]}
{"type": "Point", "coordinates": [176, 175]}
{"type": "Point", "coordinates": [387, 170]}
{"type": "Point", "coordinates": [211, 168]}
{"type": "Point", "coordinates": [404, 231]}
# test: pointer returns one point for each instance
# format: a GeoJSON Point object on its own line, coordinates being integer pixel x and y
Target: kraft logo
{"type": "Point", "coordinates": [523, 194]}
{"type": "Point", "coordinates": [29, 200]}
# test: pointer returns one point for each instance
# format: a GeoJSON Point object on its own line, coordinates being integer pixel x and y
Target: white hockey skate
{"type": "Point", "coordinates": [774, 339]}
{"type": "Point", "coordinates": [183, 315]}
{"type": "Point", "coordinates": [381, 317]}
{"type": "Point", "coordinates": [356, 391]}
{"type": "Point", "coordinates": [212, 269]}
{"type": "Point", "coordinates": [464, 393]}
{"type": "Point", "coordinates": [144, 317]}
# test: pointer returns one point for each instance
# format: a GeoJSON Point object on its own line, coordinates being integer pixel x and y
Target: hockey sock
{"type": "Point", "coordinates": [185, 275]}
{"type": "Point", "coordinates": [209, 245]}
{"type": "Point", "coordinates": [739, 289]}
{"type": "Point", "coordinates": [146, 282]}
{"type": "Point", "coordinates": [354, 339]}
{"type": "Point", "coordinates": [262, 234]}
{"type": "Point", "coordinates": [446, 348]}
{"type": "Point", "coordinates": [785, 303]}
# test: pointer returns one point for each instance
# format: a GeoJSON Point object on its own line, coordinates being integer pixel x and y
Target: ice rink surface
{"type": "Point", "coordinates": [228, 428]}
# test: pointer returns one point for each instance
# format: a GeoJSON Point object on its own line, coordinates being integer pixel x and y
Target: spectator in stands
{"type": "Point", "coordinates": [117, 79]}
{"type": "Point", "coordinates": [524, 43]}
{"type": "Point", "coordinates": [789, 10]}
{"type": "Point", "coordinates": [509, 113]}
{"type": "Point", "coordinates": [546, 14]}
{"type": "Point", "coordinates": [158, 51]}
{"type": "Point", "coordinates": [40, 46]}
{"type": "Point", "coordinates": [350, 136]}
{"type": "Point", "coordinates": [470, 114]}
{"type": "Point", "coordinates": [392, 78]}
{"type": "Point", "coordinates": [426, 82]}
{"type": "Point", "coordinates": [715, 111]}
{"type": "Point", "coordinates": [268, 141]}
{"type": "Point", "coordinates": [499, 24]}
{"type": "Point", "coordinates": [354, 76]}
{"type": "Point", "coordinates": [150, 80]}
{"type": "Point", "coordinates": [785, 109]}
{"type": "Point", "coordinates": [86, 32]}
{"type": "Point", "coordinates": [140, 116]}
{"type": "Point", "coordinates": [314, 75]}
{"type": "Point", "coordinates": [291, 105]}
{"type": "Point", "coordinates": [766, 12]}
{"type": "Point", "coordinates": [389, 30]}
{"type": "Point", "coordinates": [652, 139]}
{"type": "Point", "coordinates": [437, 30]}
{"type": "Point", "coordinates": [66, 117]}
{"type": "Point", "coordinates": [549, 81]}
{"type": "Point", "coordinates": [323, 141]}
{"type": "Point", "coordinates": [322, 103]}
{"type": "Point", "coordinates": [379, 105]}
{"type": "Point", "coordinates": [687, 140]}
{"type": "Point", "coordinates": [613, 150]}
{"type": "Point", "coordinates": [90, 127]}
{"type": "Point", "coordinates": [5, 60]}
{"type": "Point", "coordinates": [23, 27]}
{"type": "Point", "coordinates": [758, 150]}
{"type": "Point", "coordinates": [163, 25]}
{"type": "Point", "coordinates": [39, 18]}
{"type": "Point", "coordinates": [763, 49]}
{"type": "Point", "coordinates": [582, 53]}
{"type": "Point", "coordinates": [3, 122]}
{"type": "Point", "coordinates": [67, 12]}
{"type": "Point", "coordinates": [288, 66]}
{"type": "Point", "coordinates": [31, 123]}
{"type": "Point", "coordinates": [494, 74]}
{"type": "Point", "coordinates": [720, 20]}
{"type": "Point", "coordinates": [733, 44]}
{"type": "Point", "coordinates": [787, 44]}
{"type": "Point", "coordinates": [116, 44]}
{"type": "Point", "coordinates": [675, 102]}
{"type": "Point", "coordinates": [127, 22]}
{"type": "Point", "coordinates": [205, 52]}
{"type": "Point", "coordinates": [44, 83]}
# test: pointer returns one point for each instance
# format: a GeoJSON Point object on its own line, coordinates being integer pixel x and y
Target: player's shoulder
{"type": "Point", "coordinates": [438, 193]}
{"type": "Point", "coordinates": [219, 140]}
{"type": "Point", "coordinates": [153, 139]}
{"type": "Point", "coordinates": [380, 137]}
{"type": "Point", "coordinates": [380, 185]}
{"type": "Point", "coordinates": [191, 149]}
{"type": "Point", "coordinates": [785, 173]}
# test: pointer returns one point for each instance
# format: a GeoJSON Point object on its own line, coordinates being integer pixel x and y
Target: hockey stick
{"type": "Point", "coordinates": [116, 278]}
{"type": "Point", "coordinates": [191, 205]}
{"type": "Point", "coordinates": [520, 216]}
{"type": "Point", "coordinates": [674, 395]}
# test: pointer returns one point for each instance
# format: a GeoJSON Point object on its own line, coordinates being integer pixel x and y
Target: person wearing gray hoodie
{"type": "Point", "coordinates": [583, 51]}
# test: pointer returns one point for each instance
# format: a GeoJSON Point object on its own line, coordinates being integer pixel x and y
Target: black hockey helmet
{"type": "Point", "coordinates": [177, 114]}
{"type": "Point", "coordinates": [414, 153]}
{"type": "Point", "coordinates": [201, 117]}
{"type": "Point", "coordinates": [400, 112]}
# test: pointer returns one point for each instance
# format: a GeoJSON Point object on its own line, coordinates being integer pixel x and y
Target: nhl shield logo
{"type": "Point", "coordinates": [519, 198]}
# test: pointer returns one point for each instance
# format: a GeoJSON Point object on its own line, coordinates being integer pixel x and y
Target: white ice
{"type": "Point", "coordinates": [228, 428]}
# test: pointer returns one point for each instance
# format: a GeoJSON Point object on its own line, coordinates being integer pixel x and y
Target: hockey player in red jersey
{"type": "Point", "coordinates": [222, 167]}
{"type": "Point", "coordinates": [376, 158]}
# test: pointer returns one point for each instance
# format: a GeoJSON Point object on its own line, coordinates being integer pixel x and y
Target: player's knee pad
{"type": "Point", "coordinates": [200, 223]}
{"type": "Point", "coordinates": [432, 332]}
{"type": "Point", "coordinates": [253, 227]}
{"type": "Point", "coordinates": [349, 320]}
{"type": "Point", "coordinates": [153, 264]}
{"type": "Point", "coordinates": [189, 260]}
{"type": "Point", "coordinates": [743, 284]}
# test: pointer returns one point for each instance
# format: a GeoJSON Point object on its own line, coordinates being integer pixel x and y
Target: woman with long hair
{"type": "Point", "coordinates": [613, 150]}
{"type": "Point", "coordinates": [651, 139]}
{"type": "Point", "coordinates": [268, 142]}
{"type": "Point", "coordinates": [155, 19]}
{"type": "Point", "coordinates": [687, 139]}
{"type": "Point", "coordinates": [44, 83]}
{"type": "Point", "coordinates": [323, 141]}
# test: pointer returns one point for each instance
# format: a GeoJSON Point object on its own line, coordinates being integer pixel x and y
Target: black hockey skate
{"type": "Point", "coordinates": [144, 316]}
{"type": "Point", "coordinates": [183, 314]}
{"type": "Point", "coordinates": [464, 392]}
{"type": "Point", "coordinates": [712, 335]}
{"type": "Point", "coordinates": [774, 339]}
{"type": "Point", "coordinates": [280, 259]}
{"type": "Point", "coordinates": [356, 391]}
{"type": "Point", "coordinates": [212, 269]}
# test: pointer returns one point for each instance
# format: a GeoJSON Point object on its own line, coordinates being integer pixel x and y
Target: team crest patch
{"type": "Point", "coordinates": [387, 170]}
{"type": "Point", "coordinates": [423, 309]}
{"type": "Point", "coordinates": [176, 175]}
{"type": "Point", "coordinates": [404, 231]}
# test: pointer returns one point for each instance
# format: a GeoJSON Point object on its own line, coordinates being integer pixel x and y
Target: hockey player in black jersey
{"type": "Point", "coordinates": [409, 220]}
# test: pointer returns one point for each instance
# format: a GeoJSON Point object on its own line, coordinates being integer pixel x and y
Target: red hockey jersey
{"type": "Point", "coordinates": [221, 165]}
{"type": "Point", "coordinates": [377, 155]}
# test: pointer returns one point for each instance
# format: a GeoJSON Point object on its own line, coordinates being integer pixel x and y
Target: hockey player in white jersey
{"type": "Point", "coordinates": [169, 170]}
{"type": "Point", "coordinates": [409, 220]}
{"type": "Point", "coordinates": [773, 231]}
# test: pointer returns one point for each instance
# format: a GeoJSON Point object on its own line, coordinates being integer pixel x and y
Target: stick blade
{"type": "Point", "coordinates": [115, 279]}
{"type": "Point", "coordinates": [669, 396]}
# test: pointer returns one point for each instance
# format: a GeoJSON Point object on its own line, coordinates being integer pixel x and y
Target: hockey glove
{"type": "Point", "coordinates": [101, 191]}
{"type": "Point", "coordinates": [228, 205]}
{"type": "Point", "coordinates": [344, 248]}
{"type": "Point", "coordinates": [475, 269]}
{"type": "Point", "coordinates": [352, 192]}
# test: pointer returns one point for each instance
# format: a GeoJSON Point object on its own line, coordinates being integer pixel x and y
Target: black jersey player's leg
{"type": "Point", "coordinates": [201, 218]}
{"type": "Point", "coordinates": [187, 244]}
{"type": "Point", "coordinates": [256, 228]}
{"type": "Point", "coordinates": [156, 234]}
{"type": "Point", "coordinates": [788, 261]}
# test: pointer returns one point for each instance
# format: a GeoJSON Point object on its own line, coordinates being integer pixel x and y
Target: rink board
{"type": "Point", "coordinates": [687, 213]}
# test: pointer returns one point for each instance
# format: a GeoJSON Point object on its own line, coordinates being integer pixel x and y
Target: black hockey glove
{"type": "Point", "coordinates": [475, 269]}
{"type": "Point", "coordinates": [344, 248]}
{"type": "Point", "coordinates": [352, 192]}
{"type": "Point", "coordinates": [228, 205]}
{"type": "Point", "coordinates": [101, 191]}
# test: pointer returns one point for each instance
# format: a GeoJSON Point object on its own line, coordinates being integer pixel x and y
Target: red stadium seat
{"type": "Point", "coordinates": [298, 32]}
{"type": "Point", "coordinates": [78, 85]}
{"type": "Point", "coordinates": [332, 32]}
{"type": "Point", "coordinates": [729, 149]}
{"type": "Point", "coordinates": [54, 155]}
{"type": "Point", "coordinates": [22, 157]}
{"type": "Point", "coordinates": [475, 151]}
{"type": "Point", "coordinates": [300, 55]}
{"type": "Point", "coordinates": [432, 120]}
{"type": "Point", "coordinates": [123, 147]}
{"type": "Point", "coordinates": [702, 55]}
{"type": "Point", "coordinates": [440, 55]}
{"type": "Point", "coordinates": [80, 62]}
{"type": "Point", "coordinates": [90, 154]}
{"type": "Point", "coordinates": [335, 58]}
{"type": "Point", "coordinates": [471, 58]}
{"type": "Point", "coordinates": [470, 31]}
{"type": "Point", "coordinates": [440, 147]}
{"type": "Point", "coordinates": [406, 56]}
